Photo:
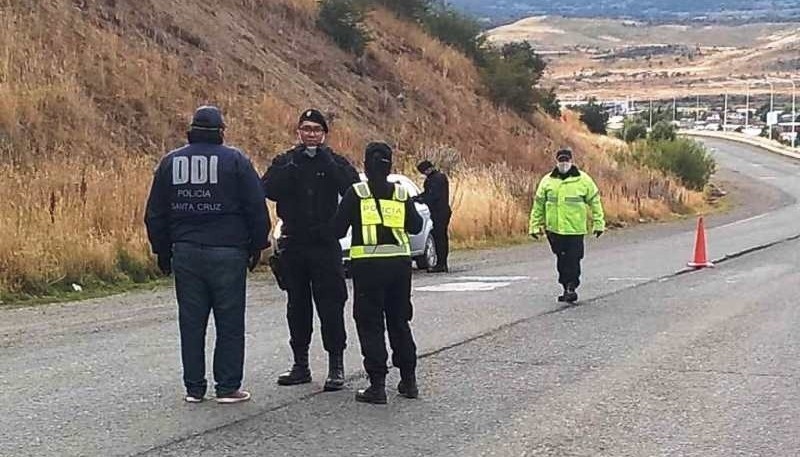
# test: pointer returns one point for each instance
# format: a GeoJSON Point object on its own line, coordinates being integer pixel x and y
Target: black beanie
{"type": "Point", "coordinates": [314, 116]}
{"type": "Point", "coordinates": [424, 165]}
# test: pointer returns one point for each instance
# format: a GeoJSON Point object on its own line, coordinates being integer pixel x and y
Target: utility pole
{"type": "Point", "coordinates": [747, 109]}
{"type": "Point", "coordinates": [674, 108]}
{"type": "Point", "coordinates": [771, 107]}
{"type": "Point", "coordinates": [794, 114]}
{"type": "Point", "coordinates": [725, 114]}
{"type": "Point", "coordinates": [651, 114]}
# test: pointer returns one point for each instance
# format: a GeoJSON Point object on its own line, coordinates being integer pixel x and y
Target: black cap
{"type": "Point", "coordinates": [208, 117]}
{"type": "Point", "coordinates": [314, 116]}
{"type": "Point", "coordinates": [424, 166]}
{"type": "Point", "coordinates": [378, 150]}
{"type": "Point", "coordinates": [564, 153]}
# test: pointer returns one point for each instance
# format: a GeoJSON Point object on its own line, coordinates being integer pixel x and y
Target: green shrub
{"type": "Point", "coordinates": [663, 131]}
{"type": "Point", "coordinates": [343, 21]}
{"type": "Point", "coordinates": [684, 158]}
{"type": "Point", "coordinates": [632, 131]}
{"type": "Point", "coordinates": [594, 116]}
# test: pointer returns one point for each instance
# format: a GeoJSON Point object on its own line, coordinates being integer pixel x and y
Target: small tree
{"type": "Point", "coordinates": [663, 131]}
{"type": "Point", "coordinates": [457, 30]}
{"type": "Point", "coordinates": [413, 9]}
{"type": "Point", "coordinates": [633, 130]}
{"type": "Point", "coordinates": [595, 117]}
{"type": "Point", "coordinates": [548, 102]}
{"type": "Point", "coordinates": [343, 21]}
{"type": "Point", "coordinates": [508, 84]}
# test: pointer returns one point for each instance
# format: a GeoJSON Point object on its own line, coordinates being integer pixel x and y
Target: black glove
{"type": "Point", "coordinates": [165, 263]}
{"type": "Point", "coordinates": [255, 258]}
{"type": "Point", "coordinates": [535, 236]}
{"type": "Point", "coordinates": [598, 233]}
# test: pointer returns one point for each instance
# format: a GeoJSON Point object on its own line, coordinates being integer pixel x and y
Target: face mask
{"type": "Point", "coordinates": [311, 151]}
{"type": "Point", "coordinates": [564, 167]}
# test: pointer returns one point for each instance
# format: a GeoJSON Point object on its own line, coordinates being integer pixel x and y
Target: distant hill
{"type": "Point", "coordinates": [654, 10]}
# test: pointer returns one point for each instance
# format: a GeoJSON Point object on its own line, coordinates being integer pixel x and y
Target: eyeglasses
{"type": "Point", "coordinates": [312, 129]}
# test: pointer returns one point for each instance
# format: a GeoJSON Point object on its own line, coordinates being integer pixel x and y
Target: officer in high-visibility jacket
{"type": "Point", "coordinates": [560, 207]}
{"type": "Point", "coordinates": [381, 215]}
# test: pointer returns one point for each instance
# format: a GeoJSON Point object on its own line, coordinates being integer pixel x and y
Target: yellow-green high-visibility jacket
{"type": "Point", "coordinates": [560, 204]}
{"type": "Point", "coordinates": [391, 214]}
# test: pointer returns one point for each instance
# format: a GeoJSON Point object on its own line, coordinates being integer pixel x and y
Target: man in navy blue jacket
{"type": "Point", "coordinates": [207, 221]}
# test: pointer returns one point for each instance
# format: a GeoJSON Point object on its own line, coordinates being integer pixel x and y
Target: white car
{"type": "Point", "coordinates": [423, 248]}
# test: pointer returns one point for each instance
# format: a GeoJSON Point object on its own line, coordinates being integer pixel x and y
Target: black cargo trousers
{"type": "Point", "coordinates": [569, 251]}
{"type": "Point", "coordinates": [314, 274]}
{"type": "Point", "coordinates": [382, 289]}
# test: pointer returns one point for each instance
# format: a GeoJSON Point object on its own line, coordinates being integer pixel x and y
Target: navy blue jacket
{"type": "Point", "coordinates": [307, 192]}
{"type": "Point", "coordinates": [208, 194]}
{"type": "Point", "coordinates": [437, 195]}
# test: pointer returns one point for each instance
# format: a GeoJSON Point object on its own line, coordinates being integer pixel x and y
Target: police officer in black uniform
{"type": "Point", "coordinates": [437, 196]}
{"type": "Point", "coordinates": [207, 221]}
{"type": "Point", "coordinates": [381, 215]}
{"type": "Point", "coordinates": [306, 182]}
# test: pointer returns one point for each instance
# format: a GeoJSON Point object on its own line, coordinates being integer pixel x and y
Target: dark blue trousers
{"type": "Point", "coordinates": [210, 278]}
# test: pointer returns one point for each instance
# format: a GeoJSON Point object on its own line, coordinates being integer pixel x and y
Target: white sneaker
{"type": "Point", "coordinates": [234, 397]}
{"type": "Point", "coordinates": [193, 399]}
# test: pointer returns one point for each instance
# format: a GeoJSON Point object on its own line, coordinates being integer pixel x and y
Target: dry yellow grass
{"type": "Point", "coordinates": [92, 96]}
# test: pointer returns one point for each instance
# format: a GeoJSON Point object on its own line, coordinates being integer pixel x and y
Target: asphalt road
{"type": "Point", "coordinates": [652, 363]}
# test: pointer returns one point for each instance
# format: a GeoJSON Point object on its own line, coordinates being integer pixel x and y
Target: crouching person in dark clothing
{"type": "Point", "coordinates": [207, 222]}
{"type": "Point", "coordinates": [381, 215]}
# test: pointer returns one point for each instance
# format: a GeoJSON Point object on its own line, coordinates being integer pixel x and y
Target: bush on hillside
{"type": "Point", "coordinates": [595, 117]}
{"type": "Point", "coordinates": [412, 9]}
{"type": "Point", "coordinates": [548, 102]}
{"type": "Point", "coordinates": [343, 21]}
{"type": "Point", "coordinates": [632, 131]}
{"type": "Point", "coordinates": [684, 158]}
{"type": "Point", "coordinates": [663, 131]}
{"type": "Point", "coordinates": [457, 30]}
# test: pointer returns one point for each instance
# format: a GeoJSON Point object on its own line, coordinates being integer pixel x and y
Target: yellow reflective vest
{"type": "Point", "coordinates": [391, 214]}
{"type": "Point", "coordinates": [560, 205]}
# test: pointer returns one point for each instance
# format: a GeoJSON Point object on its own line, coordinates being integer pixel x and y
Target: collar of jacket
{"type": "Point", "coordinates": [572, 173]}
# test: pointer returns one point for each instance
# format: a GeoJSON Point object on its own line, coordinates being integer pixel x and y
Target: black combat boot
{"type": "Point", "coordinates": [375, 393]}
{"type": "Point", "coordinates": [300, 373]}
{"type": "Point", "coordinates": [408, 385]}
{"type": "Point", "coordinates": [570, 296]}
{"type": "Point", "coordinates": [563, 296]}
{"type": "Point", "coordinates": [335, 379]}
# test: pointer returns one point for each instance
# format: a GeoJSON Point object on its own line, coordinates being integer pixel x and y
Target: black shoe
{"type": "Point", "coordinates": [299, 374]}
{"type": "Point", "coordinates": [335, 379]}
{"type": "Point", "coordinates": [408, 388]}
{"type": "Point", "coordinates": [374, 394]}
{"type": "Point", "coordinates": [570, 296]}
{"type": "Point", "coordinates": [439, 269]}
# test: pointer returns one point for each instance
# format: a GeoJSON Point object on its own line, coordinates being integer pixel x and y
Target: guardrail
{"type": "Point", "coordinates": [739, 138]}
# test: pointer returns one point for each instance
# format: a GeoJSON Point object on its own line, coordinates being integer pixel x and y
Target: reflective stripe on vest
{"type": "Point", "coordinates": [392, 215]}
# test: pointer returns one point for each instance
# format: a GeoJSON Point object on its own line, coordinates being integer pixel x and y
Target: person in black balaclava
{"type": "Point", "coordinates": [381, 215]}
{"type": "Point", "coordinates": [306, 182]}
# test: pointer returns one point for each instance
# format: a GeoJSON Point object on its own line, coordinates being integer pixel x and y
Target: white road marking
{"type": "Point", "coordinates": [473, 286]}
{"type": "Point", "coordinates": [749, 219]}
{"type": "Point", "coordinates": [767, 178]}
{"type": "Point", "coordinates": [493, 278]}
{"type": "Point", "coordinates": [629, 279]}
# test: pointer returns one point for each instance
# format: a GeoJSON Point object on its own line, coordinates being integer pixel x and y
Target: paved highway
{"type": "Point", "coordinates": [652, 363]}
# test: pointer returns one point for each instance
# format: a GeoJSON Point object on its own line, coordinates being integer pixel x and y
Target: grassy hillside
{"type": "Point", "coordinates": [93, 92]}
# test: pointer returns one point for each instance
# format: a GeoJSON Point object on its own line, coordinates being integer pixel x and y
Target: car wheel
{"type": "Point", "coordinates": [428, 257]}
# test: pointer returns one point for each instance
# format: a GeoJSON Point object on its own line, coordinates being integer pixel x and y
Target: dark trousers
{"type": "Point", "coordinates": [211, 279]}
{"type": "Point", "coordinates": [569, 251]}
{"type": "Point", "coordinates": [315, 272]}
{"type": "Point", "coordinates": [441, 236]}
{"type": "Point", "coordinates": [382, 302]}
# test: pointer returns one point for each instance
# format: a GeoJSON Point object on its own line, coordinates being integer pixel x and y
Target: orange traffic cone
{"type": "Point", "coordinates": [700, 253]}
